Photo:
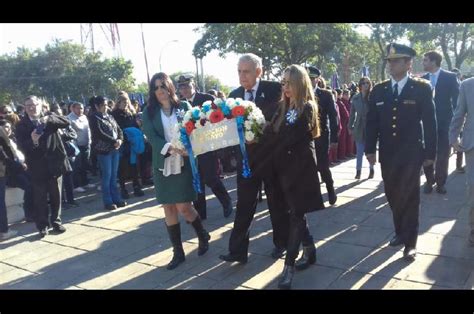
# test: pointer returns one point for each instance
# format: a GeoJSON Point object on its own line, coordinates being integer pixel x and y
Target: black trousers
{"type": "Point", "coordinates": [42, 190]}
{"type": "Point", "coordinates": [81, 165]}
{"type": "Point", "coordinates": [438, 173]}
{"type": "Point", "coordinates": [402, 189]}
{"type": "Point", "coordinates": [322, 156]}
{"type": "Point", "coordinates": [247, 191]}
{"type": "Point", "coordinates": [207, 166]}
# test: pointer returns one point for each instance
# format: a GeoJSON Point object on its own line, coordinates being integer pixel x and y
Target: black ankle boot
{"type": "Point", "coordinates": [331, 194]}
{"type": "Point", "coordinates": [357, 175]}
{"type": "Point", "coordinates": [371, 174]}
{"type": "Point", "coordinates": [124, 193]}
{"type": "Point", "coordinates": [137, 191]}
{"type": "Point", "coordinates": [174, 232]}
{"type": "Point", "coordinates": [203, 236]}
{"type": "Point", "coordinates": [308, 258]}
{"type": "Point", "coordinates": [286, 277]}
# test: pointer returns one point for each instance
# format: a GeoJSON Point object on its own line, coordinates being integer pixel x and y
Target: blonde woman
{"type": "Point", "coordinates": [171, 168]}
{"type": "Point", "coordinates": [291, 134]}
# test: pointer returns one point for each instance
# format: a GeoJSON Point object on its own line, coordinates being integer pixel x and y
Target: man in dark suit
{"type": "Point", "coordinates": [329, 128]}
{"type": "Point", "coordinates": [207, 163]}
{"type": "Point", "coordinates": [266, 95]}
{"type": "Point", "coordinates": [445, 88]}
{"type": "Point", "coordinates": [402, 118]}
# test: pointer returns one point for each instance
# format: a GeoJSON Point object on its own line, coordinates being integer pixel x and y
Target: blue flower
{"type": "Point", "coordinates": [225, 110]}
{"type": "Point", "coordinates": [291, 116]}
{"type": "Point", "coordinates": [196, 113]}
{"type": "Point", "coordinates": [206, 108]}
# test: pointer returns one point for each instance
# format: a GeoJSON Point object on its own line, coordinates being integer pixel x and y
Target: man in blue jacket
{"type": "Point", "coordinates": [445, 86]}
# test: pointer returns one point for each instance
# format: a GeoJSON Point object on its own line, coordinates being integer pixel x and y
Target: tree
{"type": "Point", "coordinates": [455, 40]}
{"type": "Point", "coordinates": [278, 44]}
{"type": "Point", "coordinates": [62, 71]}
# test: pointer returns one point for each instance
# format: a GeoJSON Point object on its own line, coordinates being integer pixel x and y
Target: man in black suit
{"type": "Point", "coordinates": [266, 95]}
{"type": "Point", "coordinates": [402, 118]}
{"type": "Point", "coordinates": [445, 86]}
{"type": "Point", "coordinates": [327, 115]}
{"type": "Point", "coordinates": [207, 163]}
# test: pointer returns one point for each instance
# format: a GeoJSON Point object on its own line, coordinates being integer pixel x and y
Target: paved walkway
{"type": "Point", "coordinates": [129, 248]}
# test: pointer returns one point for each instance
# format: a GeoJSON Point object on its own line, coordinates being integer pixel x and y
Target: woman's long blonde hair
{"type": "Point", "coordinates": [303, 93]}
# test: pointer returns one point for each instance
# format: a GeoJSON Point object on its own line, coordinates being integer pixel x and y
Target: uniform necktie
{"type": "Point", "coordinates": [395, 90]}
{"type": "Point", "coordinates": [251, 94]}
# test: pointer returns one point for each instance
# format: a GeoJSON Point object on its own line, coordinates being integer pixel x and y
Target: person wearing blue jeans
{"type": "Point", "coordinates": [357, 122]}
{"type": "Point", "coordinates": [108, 164]}
{"type": "Point", "coordinates": [107, 137]}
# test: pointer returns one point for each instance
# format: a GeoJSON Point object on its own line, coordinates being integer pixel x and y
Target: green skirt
{"type": "Point", "coordinates": [177, 188]}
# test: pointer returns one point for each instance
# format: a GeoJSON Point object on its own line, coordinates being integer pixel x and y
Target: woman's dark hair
{"type": "Point", "coordinates": [94, 101]}
{"type": "Point", "coordinates": [3, 122]}
{"type": "Point", "coordinates": [153, 103]}
{"type": "Point", "coordinates": [361, 81]}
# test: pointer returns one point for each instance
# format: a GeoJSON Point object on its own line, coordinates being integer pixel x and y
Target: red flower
{"type": "Point", "coordinates": [190, 127]}
{"type": "Point", "coordinates": [238, 111]}
{"type": "Point", "coordinates": [216, 116]}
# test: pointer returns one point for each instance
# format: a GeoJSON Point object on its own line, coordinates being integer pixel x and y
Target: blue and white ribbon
{"type": "Point", "coordinates": [291, 116]}
{"type": "Point", "coordinates": [192, 160]}
{"type": "Point", "coordinates": [246, 173]}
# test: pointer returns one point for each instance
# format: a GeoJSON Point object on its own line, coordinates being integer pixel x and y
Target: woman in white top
{"type": "Point", "coordinates": [171, 168]}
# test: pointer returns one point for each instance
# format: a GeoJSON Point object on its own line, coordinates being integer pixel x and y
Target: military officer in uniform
{"type": "Point", "coordinates": [329, 129]}
{"type": "Point", "coordinates": [402, 118]}
{"type": "Point", "coordinates": [207, 163]}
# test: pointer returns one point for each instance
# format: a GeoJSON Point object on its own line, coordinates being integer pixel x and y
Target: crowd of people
{"type": "Point", "coordinates": [308, 128]}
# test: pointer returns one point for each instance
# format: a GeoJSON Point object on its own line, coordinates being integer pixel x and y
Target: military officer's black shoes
{"type": "Point", "coordinates": [396, 241]}
{"type": "Point", "coordinates": [357, 175]}
{"type": "Point", "coordinates": [441, 189]}
{"type": "Point", "coordinates": [308, 258]}
{"type": "Point", "coordinates": [286, 277]}
{"type": "Point", "coordinates": [278, 252]}
{"type": "Point", "coordinates": [331, 194]}
{"type": "Point", "coordinates": [371, 174]}
{"type": "Point", "coordinates": [427, 188]}
{"type": "Point", "coordinates": [228, 210]}
{"type": "Point", "coordinates": [233, 258]}
{"type": "Point", "coordinates": [409, 253]}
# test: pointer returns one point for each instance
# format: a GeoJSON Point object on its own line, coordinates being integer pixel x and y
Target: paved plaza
{"type": "Point", "coordinates": [129, 248]}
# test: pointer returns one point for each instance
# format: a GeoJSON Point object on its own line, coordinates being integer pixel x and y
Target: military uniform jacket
{"type": "Point", "coordinates": [405, 126]}
{"type": "Point", "coordinates": [327, 115]}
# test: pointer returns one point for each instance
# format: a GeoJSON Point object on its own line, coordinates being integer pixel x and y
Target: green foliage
{"type": "Point", "coordinates": [62, 69]}
{"type": "Point", "coordinates": [278, 44]}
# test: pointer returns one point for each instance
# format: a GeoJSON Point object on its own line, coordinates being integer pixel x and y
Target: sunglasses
{"type": "Point", "coordinates": [163, 86]}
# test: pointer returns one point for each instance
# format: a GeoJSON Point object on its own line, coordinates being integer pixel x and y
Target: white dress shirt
{"type": "Point", "coordinates": [401, 83]}
{"type": "Point", "coordinates": [174, 162]}
{"type": "Point", "coordinates": [254, 91]}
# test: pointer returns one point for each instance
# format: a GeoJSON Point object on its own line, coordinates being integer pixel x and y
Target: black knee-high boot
{"type": "Point", "coordinates": [309, 251]}
{"type": "Point", "coordinates": [174, 232]}
{"type": "Point", "coordinates": [295, 234]}
{"type": "Point", "coordinates": [202, 234]}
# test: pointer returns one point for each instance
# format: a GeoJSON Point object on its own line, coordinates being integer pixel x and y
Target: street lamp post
{"type": "Point", "coordinates": [169, 42]}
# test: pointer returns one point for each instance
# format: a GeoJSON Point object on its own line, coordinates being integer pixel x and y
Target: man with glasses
{"type": "Point", "coordinates": [402, 118]}
{"type": "Point", "coordinates": [39, 139]}
{"type": "Point", "coordinates": [207, 162]}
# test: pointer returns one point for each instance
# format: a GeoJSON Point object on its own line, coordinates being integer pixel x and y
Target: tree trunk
{"type": "Point", "coordinates": [382, 70]}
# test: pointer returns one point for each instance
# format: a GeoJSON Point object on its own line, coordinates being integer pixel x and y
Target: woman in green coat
{"type": "Point", "coordinates": [171, 168]}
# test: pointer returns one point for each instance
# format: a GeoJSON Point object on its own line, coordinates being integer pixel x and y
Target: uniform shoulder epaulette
{"type": "Point", "coordinates": [421, 80]}
{"type": "Point", "coordinates": [383, 83]}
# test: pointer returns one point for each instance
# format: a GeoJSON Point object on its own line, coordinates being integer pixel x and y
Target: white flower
{"type": "Point", "coordinates": [203, 115]}
{"type": "Point", "coordinates": [198, 125]}
{"type": "Point", "coordinates": [249, 136]}
{"type": "Point", "coordinates": [248, 124]}
{"type": "Point", "coordinates": [230, 102]}
{"type": "Point", "coordinates": [218, 101]}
